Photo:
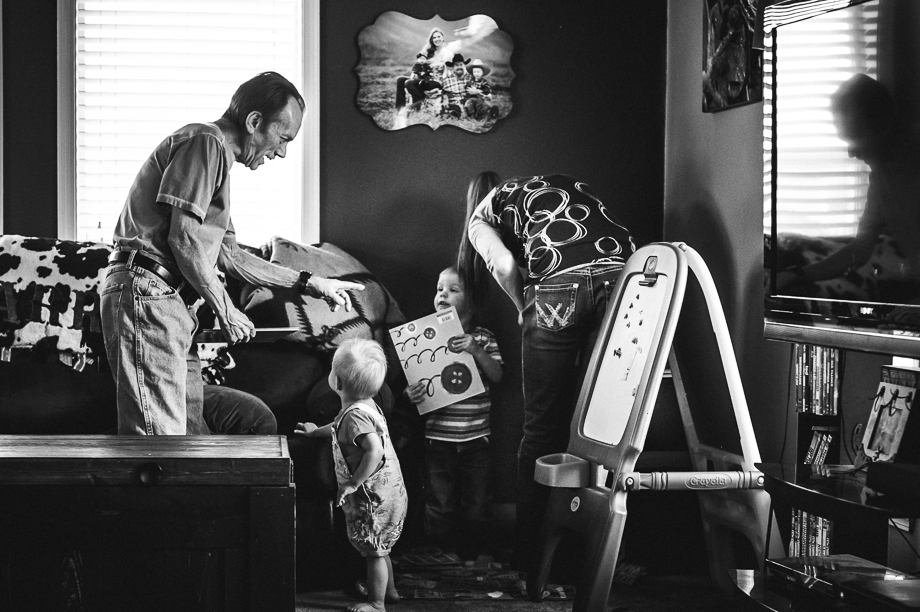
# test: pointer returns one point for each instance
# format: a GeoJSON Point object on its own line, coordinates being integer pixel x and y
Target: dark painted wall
{"type": "Point", "coordinates": [30, 118]}
{"type": "Point", "coordinates": [713, 202]}
{"type": "Point", "coordinates": [588, 100]}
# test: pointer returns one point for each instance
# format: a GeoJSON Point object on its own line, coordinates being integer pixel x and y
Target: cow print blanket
{"type": "Point", "coordinates": [49, 293]}
{"type": "Point", "coordinates": [49, 296]}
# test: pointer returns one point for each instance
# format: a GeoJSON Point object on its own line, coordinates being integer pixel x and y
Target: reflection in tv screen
{"type": "Point", "coordinates": [842, 214]}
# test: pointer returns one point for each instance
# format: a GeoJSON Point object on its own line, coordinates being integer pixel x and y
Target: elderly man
{"type": "Point", "coordinates": [173, 233]}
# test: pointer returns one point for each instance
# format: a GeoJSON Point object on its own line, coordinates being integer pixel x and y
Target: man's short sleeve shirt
{"type": "Point", "coordinates": [189, 170]}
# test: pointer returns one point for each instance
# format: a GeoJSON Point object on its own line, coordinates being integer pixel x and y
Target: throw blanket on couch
{"type": "Point", "coordinates": [49, 291]}
{"type": "Point", "coordinates": [374, 313]}
{"type": "Point", "coordinates": [49, 297]}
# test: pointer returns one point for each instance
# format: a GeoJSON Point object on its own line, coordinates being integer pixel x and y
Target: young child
{"type": "Point", "coordinates": [371, 491]}
{"type": "Point", "coordinates": [422, 85]}
{"type": "Point", "coordinates": [421, 69]}
{"type": "Point", "coordinates": [478, 98]}
{"type": "Point", "coordinates": [457, 436]}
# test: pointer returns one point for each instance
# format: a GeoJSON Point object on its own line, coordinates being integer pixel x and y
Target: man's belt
{"type": "Point", "coordinates": [169, 273]}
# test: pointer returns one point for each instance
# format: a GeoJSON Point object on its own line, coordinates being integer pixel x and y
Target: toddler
{"type": "Point", "coordinates": [422, 86]}
{"type": "Point", "coordinates": [457, 436]}
{"type": "Point", "coordinates": [478, 98]}
{"type": "Point", "coordinates": [371, 491]}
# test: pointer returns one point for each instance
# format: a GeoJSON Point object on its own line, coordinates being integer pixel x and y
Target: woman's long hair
{"type": "Point", "coordinates": [430, 49]}
{"type": "Point", "coordinates": [470, 266]}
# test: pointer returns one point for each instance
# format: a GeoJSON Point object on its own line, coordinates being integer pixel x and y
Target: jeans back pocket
{"type": "Point", "coordinates": [555, 305]}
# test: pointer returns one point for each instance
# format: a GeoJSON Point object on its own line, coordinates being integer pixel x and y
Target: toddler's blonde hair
{"type": "Point", "coordinates": [360, 366]}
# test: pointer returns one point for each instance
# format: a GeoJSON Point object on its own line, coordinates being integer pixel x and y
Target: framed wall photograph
{"type": "Point", "coordinates": [886, 423]}
{"type": "Point", "coordinates": [435, 72]}
{"type": "Point", "coordinates": [732, 66]}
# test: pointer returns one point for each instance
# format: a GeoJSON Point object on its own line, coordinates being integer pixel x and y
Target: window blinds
{"type": "Point", "coordinates": [823, 191]}
{"type": "Point", "coordinates": [146, 68]}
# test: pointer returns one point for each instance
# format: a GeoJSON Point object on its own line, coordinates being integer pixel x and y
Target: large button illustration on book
{"type": "Point", "coordinates": [456, 378]}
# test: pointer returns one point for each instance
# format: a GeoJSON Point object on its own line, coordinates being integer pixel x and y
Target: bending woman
{"type": "Point", "coordinates": [571, 248]}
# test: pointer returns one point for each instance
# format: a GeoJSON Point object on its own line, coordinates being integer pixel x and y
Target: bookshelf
{"type": "Point", "coordinates": [821, 506]}
{"type": "Point", "coordinates": [817, 400]}
{"type": "Point", "coordinates": [858, 520]}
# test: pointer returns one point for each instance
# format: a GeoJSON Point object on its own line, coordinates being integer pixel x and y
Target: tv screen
{"type": "Point", "coordinates": [842, 174]}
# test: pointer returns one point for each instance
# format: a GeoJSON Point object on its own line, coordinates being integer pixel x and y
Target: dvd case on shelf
{"type": "Point", "coordinates": [817, 396]}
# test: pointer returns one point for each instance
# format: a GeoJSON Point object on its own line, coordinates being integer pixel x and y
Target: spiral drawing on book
{"type": "Point", "coordinates": [422, 348]}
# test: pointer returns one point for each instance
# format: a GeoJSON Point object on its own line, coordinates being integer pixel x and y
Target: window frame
{"type": "Point", "coordinates": [67, 137]}
{"type": "Point", "coordinates": [771, 173]}
{"type": "Point", "coordinates": [2, 119]}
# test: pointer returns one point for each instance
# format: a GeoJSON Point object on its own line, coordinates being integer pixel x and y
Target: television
{"type": "Point", "coordinates": [815, 194]}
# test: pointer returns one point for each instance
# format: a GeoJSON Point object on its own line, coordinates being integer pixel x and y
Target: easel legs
{"type": "Point", "coordinates": [746, 513]}
{"type": "Point", "coordinates": [599, 515]}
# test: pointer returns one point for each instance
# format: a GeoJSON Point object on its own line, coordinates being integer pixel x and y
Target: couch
{"type": "Point", "coordinates": [54, 378]}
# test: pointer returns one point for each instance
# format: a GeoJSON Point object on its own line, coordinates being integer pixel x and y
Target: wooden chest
{"type": "Point", "coordinates": [146, 523]}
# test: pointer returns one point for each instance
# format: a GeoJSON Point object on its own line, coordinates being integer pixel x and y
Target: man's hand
{"type": "Point", "coordinates": [236, 326]}
{"type": "Point", "coordinates": [335, 292]}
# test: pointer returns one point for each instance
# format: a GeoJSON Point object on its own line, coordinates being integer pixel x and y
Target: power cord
{"type": "Point", "coordinates": [841, 371]}
{"type": "Point", "coordinates": [789, 383]}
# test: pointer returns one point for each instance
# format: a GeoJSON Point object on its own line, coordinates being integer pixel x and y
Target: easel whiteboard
{"type": "Point", "coordinates": [627, 351]}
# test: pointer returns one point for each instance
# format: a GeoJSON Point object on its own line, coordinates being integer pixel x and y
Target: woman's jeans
{"type": "Point", "coordinates": [561, 319]}
{"type": "Point", "coordinates": [458, 493]}
{"type": "Point", "coordinates": [148, 332]}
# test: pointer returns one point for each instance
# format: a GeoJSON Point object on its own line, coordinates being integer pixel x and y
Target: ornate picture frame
{"type": "Point", "coordinates": [435, 72]}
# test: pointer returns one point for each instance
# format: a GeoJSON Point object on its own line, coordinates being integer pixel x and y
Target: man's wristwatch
{"type": "Point", "coordinates": [303, 281]}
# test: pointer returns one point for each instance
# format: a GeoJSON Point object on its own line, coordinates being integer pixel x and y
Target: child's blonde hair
{"type": "Point", "coordinates": [360, 366]}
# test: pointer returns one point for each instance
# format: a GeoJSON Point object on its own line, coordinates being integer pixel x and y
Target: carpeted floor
{"type": "Point", "coordinates": [633, 590]}
{"type": "Point", "coordinates": [648, 594]}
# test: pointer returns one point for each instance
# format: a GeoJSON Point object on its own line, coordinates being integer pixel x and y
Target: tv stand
{"type": "Point", "coordinates": [860, 519]}
{"type": "Point", "coordinates": [859, 515]}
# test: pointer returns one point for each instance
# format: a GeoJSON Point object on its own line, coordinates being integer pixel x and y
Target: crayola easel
{"type": "Point", "coordinates": [611, 421]}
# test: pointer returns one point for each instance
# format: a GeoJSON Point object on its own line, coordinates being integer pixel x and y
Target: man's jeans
{"type": "Point", "coordinates": [458, 493]}
{"type": "Point", "coordinates": [148, 332]}
{"type": "Point", "coordinates": [561, 319]}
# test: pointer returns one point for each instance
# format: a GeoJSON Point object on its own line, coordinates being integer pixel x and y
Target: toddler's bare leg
{"type": "Point", "coordinates": [392, 595]}
{"type": "Point", "coordinates": [377, 578]}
